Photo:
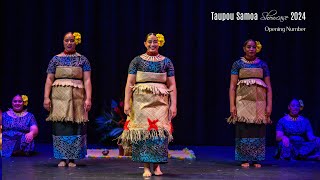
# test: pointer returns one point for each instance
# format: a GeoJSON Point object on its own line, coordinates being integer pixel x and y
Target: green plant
{"type": "Point", "coordinates": [110, 123]}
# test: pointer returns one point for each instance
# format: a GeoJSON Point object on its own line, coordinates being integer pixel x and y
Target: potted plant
{"type": "Point", "coordinates": [110, 124]}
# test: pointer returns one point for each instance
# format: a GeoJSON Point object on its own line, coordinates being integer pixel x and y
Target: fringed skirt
{"type": "Point", "coordinates": [251, 104]}
{"type": "Point", "coordinates": [67, 105]}
{"type": "Point", "coordinates": [69, 122]}
{"type": "Point", "coordinates": [250, 122]}
{"type": "Point", "coordinates": [148, 128]}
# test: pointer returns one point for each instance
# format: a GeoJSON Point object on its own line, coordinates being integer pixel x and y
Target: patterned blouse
{"type": "Point", "coordinates": [18, 125]}
{"type": "Point", "coordinates": [139, 64]}
{"type": "Point", "coordinates": [68, 60]}
{"type": "Point", "coordinates": [237, 65]}
{"type": "Point", "coordinates": [295, 130]}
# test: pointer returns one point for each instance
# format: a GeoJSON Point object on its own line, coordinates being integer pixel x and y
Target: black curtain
{"type": "Point", "coordinates": [201, 49]}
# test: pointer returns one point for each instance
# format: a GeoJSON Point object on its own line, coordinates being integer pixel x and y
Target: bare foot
{"type": "Point", "coordinates": [71, 164]}
{"type": "Point", "coordinates": [62, 164]}
{"type": "Point", "coordinates": [146, 172]}
{"type": "Point", "coordinates": [257, 165]}
{"type": "Point", "coordinates": [156, 169]}
{"type": "Point", "coordinates": [245, 165]}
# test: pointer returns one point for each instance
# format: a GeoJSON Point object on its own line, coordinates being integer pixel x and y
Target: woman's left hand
{"type": "Point", "coordinates": [29, 137]}
{"type": "Point", "coordinates": [87, 105]}
{"type": "Point", "coordinates": [172, 112]}
{"type": "Point", "coordinates": [268, 111]}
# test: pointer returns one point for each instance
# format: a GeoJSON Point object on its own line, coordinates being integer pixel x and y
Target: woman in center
{"type": "Point", "coordinates": [250, 97]}
{"type": "Point", "coordinates": [150, 104]}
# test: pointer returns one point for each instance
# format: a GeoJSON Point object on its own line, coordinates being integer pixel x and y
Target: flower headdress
{"type": "Point", "coordinates": [301, 104]}
{"type": "Point", "coordinates": [77, 37]}
{"type": "Point", "coordinates": [258, 46]}
{"type": "Point", "coordinates": [161, 40]}
{"type": "Point", "coordinates": [25, 100]}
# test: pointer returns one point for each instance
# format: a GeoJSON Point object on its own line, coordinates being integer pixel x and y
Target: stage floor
{"type": "Point", "coordinates": [212, 162]}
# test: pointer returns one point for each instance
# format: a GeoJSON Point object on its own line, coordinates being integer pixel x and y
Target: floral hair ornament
{"type": "Point", "coordinates": [25, 100]}
{"type": "Point", "coordinates": [258, 46]}
{"type": "Point", "coordinates": [301, 104]}
{"type": "Point", "coordinates": [77, 37]}
{"type": "Point", "coordinates": [161, 40]}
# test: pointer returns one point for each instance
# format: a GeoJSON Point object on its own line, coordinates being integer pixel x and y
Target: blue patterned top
{"type": "Point", "coordinates": [139, 64]}
{"type": "Point", "coordinates": [19, 125]}
{"type": "Point", "coordinates": [295, 130]}
{"type": "Point", "coordinates": [68, 60]}
{"type": "Point", "coordinates": [237, 65]}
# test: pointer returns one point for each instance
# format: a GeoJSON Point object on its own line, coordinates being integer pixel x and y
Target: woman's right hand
{"type": "Point", "coordinates": [29, 137]}
{"type": "Point", "coordinates": [285, 141]}
{"type": "Point", "coordinates": [47, 103]}
{"type": "Point", "coordinates": [127, 108]}
{"type": "Point", "coordinates": [233, 111]}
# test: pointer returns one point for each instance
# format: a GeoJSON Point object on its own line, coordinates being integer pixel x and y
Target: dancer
{"type": "Point", "coordinates": [250, 96]}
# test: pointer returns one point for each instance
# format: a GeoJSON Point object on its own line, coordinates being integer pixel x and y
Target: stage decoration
{"type": "Point", "coordinates": [258, 46]}
{"type": "Point", "coordinates": [161, 40]}
{"type": "Point", "coordinates": [112, 121]}
{"type": "Point", "coordinates": [25, 100]}
{"type": "Point", "coordinates": [77, 38]}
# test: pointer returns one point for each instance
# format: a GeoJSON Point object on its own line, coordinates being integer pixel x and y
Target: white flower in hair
{"type": "Point", "coordinates": [301, 104]}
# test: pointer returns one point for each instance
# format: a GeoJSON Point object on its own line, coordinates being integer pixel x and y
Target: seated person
{"type": "Point", "coordinates": [295, 135]}
{"type": "Point", "coordinates": [19, 128]}
{"type": "Point", "coordinates": [0, 132]}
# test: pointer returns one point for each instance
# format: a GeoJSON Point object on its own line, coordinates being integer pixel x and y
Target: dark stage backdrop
{"type": "Point", "coordinates": [201, 49]}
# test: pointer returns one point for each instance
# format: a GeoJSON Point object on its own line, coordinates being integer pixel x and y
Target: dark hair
{"type": "Point", "coordinates": [67, 33]}
{"type": "Point", "coordinates": [246, 42]}
{"type": "Point", "coordinates": [294, 99]}
{"type": "Point", "coordinates": [149, 34]}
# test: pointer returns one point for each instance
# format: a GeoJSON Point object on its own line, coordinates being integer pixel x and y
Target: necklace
{"type": "Point", "coordinates": [18, 114]}
{"type": "Point", "coordinates": [293, 118]}
{"type": "Point", "coordinates": [250, 62]}
{"type": "Point", "coordinates": [69, 53]}
{"type": "Point", "coordinates": [151, 58]}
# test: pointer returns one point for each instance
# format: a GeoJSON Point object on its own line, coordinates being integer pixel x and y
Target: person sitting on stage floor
{"type": "Point", "coordinates": [0, 132]}
{"type": "Point", "coordinates": [295, 135]}
{"type": "Point", "coordinates": [19, 128]}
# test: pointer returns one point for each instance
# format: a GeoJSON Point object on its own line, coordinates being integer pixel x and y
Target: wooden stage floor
{"type": "Point", "coordinates": [212, 162]}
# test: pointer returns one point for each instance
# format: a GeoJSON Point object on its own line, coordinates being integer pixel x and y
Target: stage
{"type": "Point", "coordinates": [212, 162]}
